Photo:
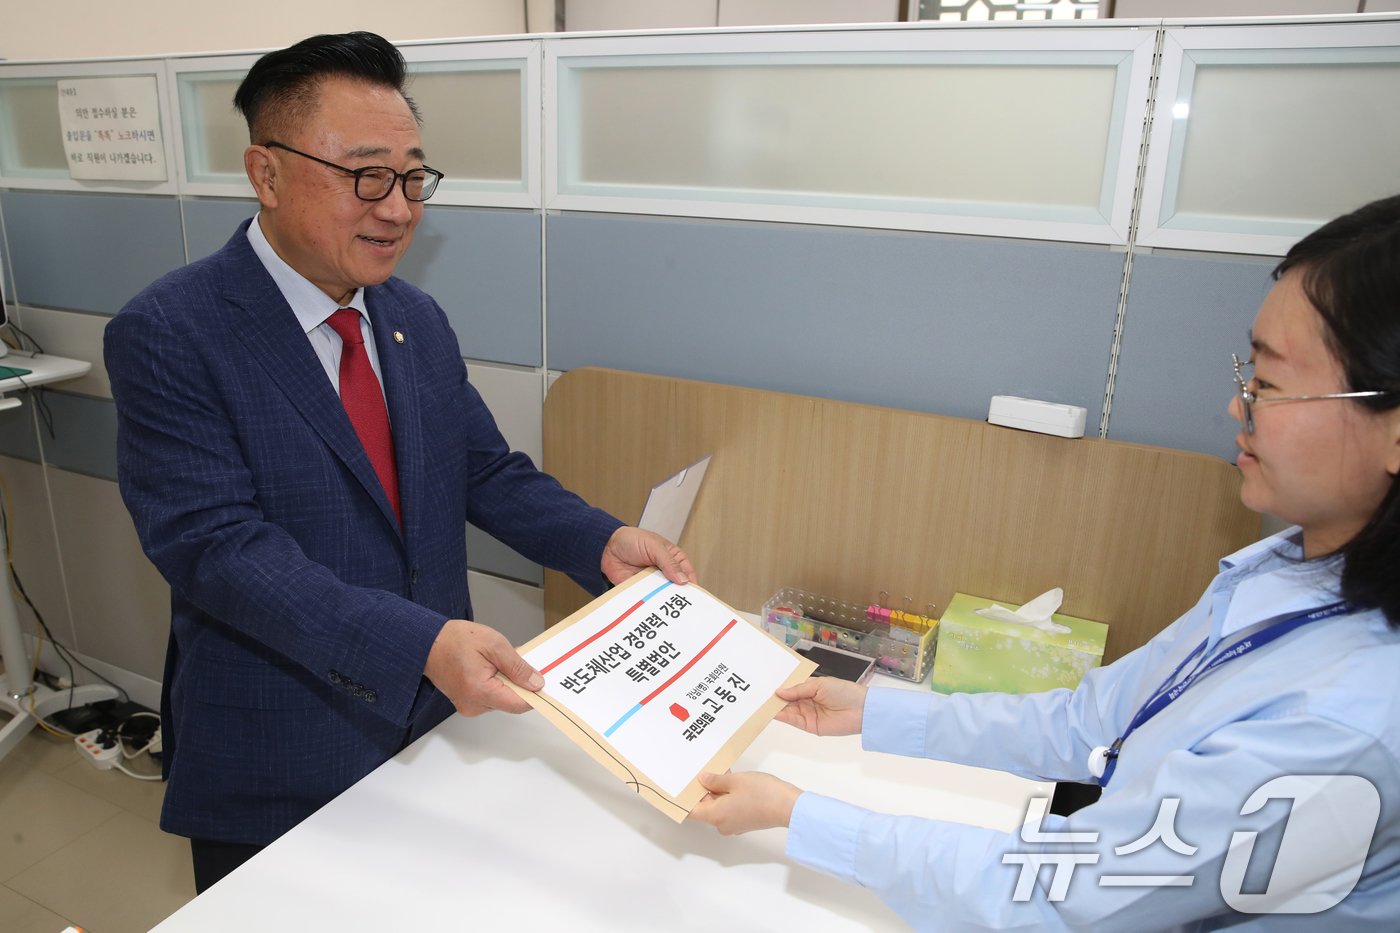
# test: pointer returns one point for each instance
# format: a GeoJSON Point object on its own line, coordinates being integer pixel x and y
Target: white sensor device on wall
{"type": "Point", "coordinates": [1030, 414]}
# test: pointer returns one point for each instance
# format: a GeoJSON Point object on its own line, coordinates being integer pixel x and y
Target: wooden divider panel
{"type": "Point", "coordinates": [850, 500]}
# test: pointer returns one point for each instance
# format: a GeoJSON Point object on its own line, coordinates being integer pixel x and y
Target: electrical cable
{"type": "Point", "coordinates": [122, 737]}
{"type": "Point", "coordinates": [9, 559]}
{"type": "Point", "coordinates": [6, 506]}
{"type": "Point", "coordinates": [127, 755]}
{"type": "Point", "coordinates": [41, 405]}
{"type": "Point", "coordinates": [23, 336]}
{"type": "Point", "coordinates": [42, 724]}
{"type": "Point", "coordinates": [140, 777]}
{"type": "Point", "coordinates": [64, 654]}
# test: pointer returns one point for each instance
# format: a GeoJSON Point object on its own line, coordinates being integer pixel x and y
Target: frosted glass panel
{"type": "Point", "coordinates": [952, 136]}
{"type": "Point", "coordinates": [215, 134]}
{"type": "Point", "coordinates": [1242, 160]}
{"type": "Point", "coordinates": [473, 128]}
{"type": "Point", "coordinates": [472, 123]}
{"type": "Point", "coordinates": [31, 138]}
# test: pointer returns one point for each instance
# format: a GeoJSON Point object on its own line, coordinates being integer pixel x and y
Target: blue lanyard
{"type": "Point", "coordinates": [1171, 688]}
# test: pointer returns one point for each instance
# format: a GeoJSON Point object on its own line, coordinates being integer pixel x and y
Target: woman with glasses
{"type": "Point", "coordinates": [1265, 718]}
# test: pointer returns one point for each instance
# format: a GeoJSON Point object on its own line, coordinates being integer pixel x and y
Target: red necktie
{"type": "Point", "coordinates": [364, 402]}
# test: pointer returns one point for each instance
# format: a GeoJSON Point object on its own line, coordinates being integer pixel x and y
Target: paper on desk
{"type": "Point", "coordinates": [659, 682]}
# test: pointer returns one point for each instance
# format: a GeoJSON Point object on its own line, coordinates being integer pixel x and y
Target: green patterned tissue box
{"type": "Point", "coordinates": [980, 655]}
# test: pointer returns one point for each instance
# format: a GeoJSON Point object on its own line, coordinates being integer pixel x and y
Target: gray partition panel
{"type": "Point", "coordinates": [209, 222]}
{"type": "Point", "coordinates": [1186, 315]}
{"type": "Point", "coordinates": [7, 288]}
{"type": "Point", "coordinates": [488, 555]}
{"type": "Point", "coordinates": [85, 441]}
{"type": "Point", "coordinates": [918, 321]}
{"type": "Point", "coordinates": [84, 436]}
{"type": "Point", "coordinates": [17, 430]}
{"type": "Point", "coordinates": [483, 267]}
{"type": "Point", "coordinates": [89, 252]}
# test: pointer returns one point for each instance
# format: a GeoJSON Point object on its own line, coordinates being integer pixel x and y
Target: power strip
{"type": "Point", "coordinates": [99, 747]}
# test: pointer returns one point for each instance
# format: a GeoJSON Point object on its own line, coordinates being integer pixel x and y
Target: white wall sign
{"type": "Point", "coordinates": [111, 128]}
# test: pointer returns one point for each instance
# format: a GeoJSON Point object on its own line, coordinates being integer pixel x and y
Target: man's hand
{"type": "Point", "coordinates": [631, 549]}
{"type": "Point", "coordinates": [749, 800]}
{"type": "Point", "coordinates": [824, 706]}
{"type": "Point", "coordinates": [463, 663]}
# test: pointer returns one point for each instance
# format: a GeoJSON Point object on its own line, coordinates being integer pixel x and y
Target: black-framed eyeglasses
{"type": "Point", "coordinates": [1249, 399]}
{"type": "Point", "coordinates": [375, 182]}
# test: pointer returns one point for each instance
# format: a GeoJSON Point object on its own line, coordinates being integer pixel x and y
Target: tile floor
{"type": "Point", "coordinates": [81, 846]}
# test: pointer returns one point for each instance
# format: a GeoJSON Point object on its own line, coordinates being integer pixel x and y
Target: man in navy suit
{"type": "Point", "coordinates": [301, 450]}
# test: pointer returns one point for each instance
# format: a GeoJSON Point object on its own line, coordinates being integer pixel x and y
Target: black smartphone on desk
{"type": "Point", "coordinates": [834, 662]}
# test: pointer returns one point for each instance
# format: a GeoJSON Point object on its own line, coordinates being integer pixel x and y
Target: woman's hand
{"type": "Point", "coordinates": [740, 803]}
{"type": "Point", "coordinates": [824, 706]}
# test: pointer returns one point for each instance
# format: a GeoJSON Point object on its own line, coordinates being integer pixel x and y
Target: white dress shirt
{"type": "Point", "coordinates": [312, 307]}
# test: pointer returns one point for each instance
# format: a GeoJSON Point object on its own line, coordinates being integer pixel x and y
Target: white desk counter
{"type": "Point", "coordinates": [43, 369]}
{"type": "Point", "coordinates": [499, 822]}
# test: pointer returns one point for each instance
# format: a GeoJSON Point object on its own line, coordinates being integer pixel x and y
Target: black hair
{"type": "Point", "coordinates": [1350, 272]}
{"type": "Point", "coordinates": [280, 89]}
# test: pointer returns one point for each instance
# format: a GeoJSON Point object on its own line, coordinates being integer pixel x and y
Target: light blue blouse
{"type": "Point", "coordinates": [1322, 700]}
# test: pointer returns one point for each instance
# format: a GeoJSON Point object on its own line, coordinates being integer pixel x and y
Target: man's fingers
{"type": "Point", "coordinates": [511, 665]}
{"type": "Point", "coordinates": [683, 563]}
{"type": "Point", "coordinates": [497, 696]}
{"type": "Point", "coordinates": [667, 557]}
{"type": "Point", "coordinates": [464, 663]}
{"type": "Point", "coordinates": [631, 549]}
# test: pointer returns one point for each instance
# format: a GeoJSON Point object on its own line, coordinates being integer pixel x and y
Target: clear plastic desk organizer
{"type": "Point", "coordinates": [900, 642]}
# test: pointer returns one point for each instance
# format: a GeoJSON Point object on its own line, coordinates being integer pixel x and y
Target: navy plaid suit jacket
{"type": "Point", "coordinates": [301, 616]}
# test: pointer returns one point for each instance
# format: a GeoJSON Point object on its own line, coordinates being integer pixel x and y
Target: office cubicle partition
{"type": "Point", "coordinates": [916, 215]}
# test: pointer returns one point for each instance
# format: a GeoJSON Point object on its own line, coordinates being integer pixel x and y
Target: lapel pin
{"type": "Point", "coordinates": [398, 336]}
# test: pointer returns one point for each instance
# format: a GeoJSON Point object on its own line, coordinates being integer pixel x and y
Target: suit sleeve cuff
{"type": "Point", "coordinates": [601, 527]}
{"type": "Point", "coordinates": [383, 664]}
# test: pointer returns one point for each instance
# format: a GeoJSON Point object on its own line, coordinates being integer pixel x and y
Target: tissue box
{"type": "Point", "coordinates": [980, 655]}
